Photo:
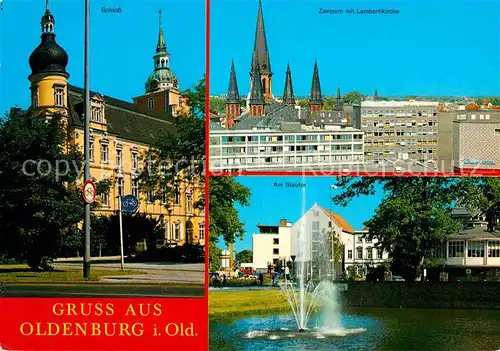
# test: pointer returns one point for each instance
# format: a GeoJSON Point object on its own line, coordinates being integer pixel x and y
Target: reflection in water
{"type": "Point", "coordinates": [386, 329]}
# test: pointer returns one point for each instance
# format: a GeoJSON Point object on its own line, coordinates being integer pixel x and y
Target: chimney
{"type": "Point", "coordinates": [283, 222]}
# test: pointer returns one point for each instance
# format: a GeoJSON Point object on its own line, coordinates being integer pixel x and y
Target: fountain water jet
{"type": "Point", "coordinates": [313, 252]}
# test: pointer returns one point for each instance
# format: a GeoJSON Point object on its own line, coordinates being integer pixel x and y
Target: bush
{"type": "Point", "coordinates": [186, 253]}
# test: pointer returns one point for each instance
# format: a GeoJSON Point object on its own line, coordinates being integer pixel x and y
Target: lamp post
{"type": "Point", "coordinates": [332, 232]}
{"type": "Point", "coordinates": [293, 267]}
{"type": "Point", "coordinates": [119, 197]}
{"type": "Point", "coordinates": [86, 221]}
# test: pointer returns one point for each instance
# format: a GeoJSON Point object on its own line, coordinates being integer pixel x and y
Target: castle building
{"type": "Point", "coordinates": [120, 132]}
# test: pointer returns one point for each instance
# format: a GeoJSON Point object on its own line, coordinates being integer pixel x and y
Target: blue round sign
{"type": "Point", "coordinates": [129, 203]}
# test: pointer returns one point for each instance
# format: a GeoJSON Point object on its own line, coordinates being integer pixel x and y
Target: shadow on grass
{"type": "Point", "coordinates": [26, 270]}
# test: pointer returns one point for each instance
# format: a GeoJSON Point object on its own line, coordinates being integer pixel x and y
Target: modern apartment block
{"type": "Point", "coordinates": [400, 130]}
{"type": "Point", "coordinates": [469, 141]}
{"type": "Point", "coordinates": [290, 146]}
{"type": "Point", "coordinates": [271, 244]}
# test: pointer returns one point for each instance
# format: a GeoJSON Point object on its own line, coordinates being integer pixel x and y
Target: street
{"type": "Point", "coordinates": [98, 289]}
{"type": "Point", "coordinates": [154, 273]}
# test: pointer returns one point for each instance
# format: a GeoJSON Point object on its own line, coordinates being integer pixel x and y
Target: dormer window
{"type": "Point", "coordinates": [59, 95]}
{"type": "Point", "coordinates": [97, 109]}
{"type": "Point", "coordinates": [150, 103]}
{"type": "Point", "coordinates": [34, 96]}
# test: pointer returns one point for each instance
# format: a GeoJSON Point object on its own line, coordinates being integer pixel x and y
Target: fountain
{"type": "Point", "coordinates": [314, 293]}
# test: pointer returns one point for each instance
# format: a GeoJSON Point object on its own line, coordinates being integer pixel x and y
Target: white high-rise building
{"type": "Point", "coordinates": [271, 244]}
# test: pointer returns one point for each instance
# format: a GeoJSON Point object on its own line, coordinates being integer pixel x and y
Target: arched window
{"type": "Point", "coordinates": [150, 103]}
{"type": "Point", "coordinates": [158, 63]}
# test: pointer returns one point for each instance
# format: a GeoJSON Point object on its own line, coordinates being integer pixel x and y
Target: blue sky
{"type": "Point", "coordinates": [269, 203]}
{"type": "Point", "coordinates": [430, 48]}
{"type": "Point", "coordinates": [121, 45]}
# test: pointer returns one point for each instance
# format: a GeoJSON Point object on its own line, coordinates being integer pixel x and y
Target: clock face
{"type": "Point", "coordinates": [154, 84]}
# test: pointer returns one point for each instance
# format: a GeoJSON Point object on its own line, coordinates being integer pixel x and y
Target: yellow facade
{"type": "Point", "coordinates": [44, 88]}
{"type": "Point", "coordinates": [115, 158]}
{"type": "Point", "coordinates": [183, 223]}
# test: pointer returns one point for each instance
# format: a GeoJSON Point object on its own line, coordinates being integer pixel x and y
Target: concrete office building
{"type": "Point", "coordinates": [468, 141]}
{"type": "Point", "coordinates": [271, 244]}
{"type": "Point", "coordinates": [400, 130]}
{"type": "Point", "coordinates": [289, 146]}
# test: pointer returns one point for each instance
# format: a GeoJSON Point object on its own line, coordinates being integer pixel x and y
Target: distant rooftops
{"type": "Point", "coordinates": [394, 103]}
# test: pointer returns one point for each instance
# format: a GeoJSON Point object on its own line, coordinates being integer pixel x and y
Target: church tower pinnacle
{"type": "Point", "coordinates": [288, 96]}
{"type": "Point", "coordinates": [261, 56]}
{"type": "Point", "coordinates": [316, 99]}
{"type": "Point", "coordinates": [233, 107]}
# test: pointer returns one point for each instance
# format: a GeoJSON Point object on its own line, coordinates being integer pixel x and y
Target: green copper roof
{"type": "Point", "coordinates": [163, 75]}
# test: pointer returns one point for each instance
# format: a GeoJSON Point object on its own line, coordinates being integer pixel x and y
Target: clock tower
{"type": "Point", "coordinates": [162, 86]}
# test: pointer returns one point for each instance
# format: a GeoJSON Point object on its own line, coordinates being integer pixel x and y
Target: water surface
{"type": "Point", "coordinates": [386, 329]}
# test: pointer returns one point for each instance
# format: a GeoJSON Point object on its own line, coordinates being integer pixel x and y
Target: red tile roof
{"type": "Point", "coordinates": [339, 220]}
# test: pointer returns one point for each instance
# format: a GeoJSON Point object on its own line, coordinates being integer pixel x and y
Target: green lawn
{"type": "Point", "coordinates": [22, 273]}
{"type": "Point", "coordinates": [226, 305]}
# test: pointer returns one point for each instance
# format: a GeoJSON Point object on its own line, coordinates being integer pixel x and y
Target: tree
{"type": "Point", "coordinates": [244, 256]}
{"type": "Point", "coordinates": [38, 199]}
{"type": "Point", "coordinates": [352, 97]}
{"type": "Point", "coordinates": [214, 256]}
{"type": "Point", "coordinates": [413, 217]}
{"type": "Point", "coordinates": [329, 103]}
{"type": "Point", "coordinates": [225, 224]}
{"type": "Point", "coordinates": [225, 192]}
{"type": "Point", "coordinates": [482, 194]}
{"type": "Point", "coordinates": [196, 99]}
{"type": "Point", "coordinates": [217, 105]}
{"type": "Point", "coordinates": [177, 157]}
{"type": "Point", "coordinates": [303, 102]}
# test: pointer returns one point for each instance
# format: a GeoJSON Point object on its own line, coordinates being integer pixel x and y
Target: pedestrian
{"type": "Point", "coordinates": [261, 279]}
{"type": "Point", "coordinates": [223, 281]}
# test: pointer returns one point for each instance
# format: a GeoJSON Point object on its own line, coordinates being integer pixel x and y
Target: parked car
{"type": "Point", "coordinates": [397, 278]}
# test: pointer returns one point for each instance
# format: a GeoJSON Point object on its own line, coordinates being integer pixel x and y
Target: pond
{"type": "Point", "coordinates": [372, 329]}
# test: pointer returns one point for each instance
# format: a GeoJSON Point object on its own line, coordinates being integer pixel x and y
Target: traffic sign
{"type": "Point", "coordinates": [89, 191]}
{"type": "Point", "coordinates": [129, 203]}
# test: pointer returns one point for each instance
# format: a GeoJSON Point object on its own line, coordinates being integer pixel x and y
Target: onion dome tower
{"type": "Point", "coordinates": [48, 76]}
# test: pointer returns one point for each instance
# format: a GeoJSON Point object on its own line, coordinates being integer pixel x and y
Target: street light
{"type": "Point", "coordinates": [119, 197]}
{"type": "Point", "coordinates": [86, 143]}
{"type": "Point", "coordinates": [332, 186]}
{"type": "Point", "coordinates": [293, 267]}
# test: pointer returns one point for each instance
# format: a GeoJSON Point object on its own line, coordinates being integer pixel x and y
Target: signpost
{"type": "Point", "coordinates": [89, 191]}
{"type": "Point", "coordinates": [128, 204]}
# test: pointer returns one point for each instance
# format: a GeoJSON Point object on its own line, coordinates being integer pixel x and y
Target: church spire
{"type": "Point", "coordinates": [256, 100]}
{"type": "Point", "coordinates": [260, 44]}
{"type": "Point", "coordinates": [316, 99]}
{"type": "Point", "coordinates": [233, 95]}
{"type": "Point", "coordinates": [375, 96]}
{"type": "Point", "coordinates": [338, 100]}
{"type": "Point", "coordinates": [160, 46]}
{"type": "Point", "coordinates": [233, 107]}
{"type": "Point", "coordinates": [288, 96]}
{"type": "Point", "coordinates": [260, 56]}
